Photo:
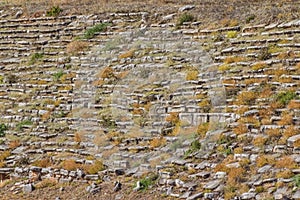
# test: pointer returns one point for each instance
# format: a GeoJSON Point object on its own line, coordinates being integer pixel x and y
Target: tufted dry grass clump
{"type": "Point", "coordinates": [286, 162]}
{"type": "Point", "coordinates": [240, 129]}
{"type": "Point", "coordinates": [78, 137]}
{"type": "Point", "coordinates": [70, 165]}
{"type": "Point", "coordinates": [14, 144]}
{"type": "Point", "coordinates": [157, 142]}
{"type": "Point", "coordinates": [76, 47]}
{"type": "Point", "coordinates": [94, 168]}
{"type": "Point", "coordinates": [263, 160]}
{"type": "Point", "coordinates": [260, 141]}
{"type": "Point", "coordinates": [276, 132]}
{"type": "Point", "coordinates": [286, 119]}
{"type": "Point", "coordinates": [246, 98]}
{"type": "Point", "coordinates": [48, 182]}
{"type": "Point", "coordinates": [233, 59]}
{"type": "Point", "coordinates": [235, 175]}
{"type": "Point", "coordinates": [128, 54]}
{"type": "Point", "coordinates": [45, 162]}
{"type": "Point", "coordinates": [173, 118]}
{"type": "Point", "coordinates": [192, 75]}
{"type": "Point", "coordinates": [285, 174]}
{"type": "Point", "coordinates": [294, 104]}
{"type": "Point", "coordinates": [258, 66]}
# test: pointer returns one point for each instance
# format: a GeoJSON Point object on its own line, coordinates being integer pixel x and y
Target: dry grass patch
{"type": "Point", "coordinates": [14, 144]}
{"type": "Point", "coordinates": [76, 46]}
{"type": "Point", "coordinates": [233, 59]}
{"type": "Point", "coordinates": [48, 182]}
{"type": "Point", "coordinates": [286, 119]}
{"type": "Point", "coordinates": [94, 168]}
{"type": "Point", "coordinates": [157, 142]}
{"type": "Point", "coordinates": [192, 75]}
{"type": "Point", "coordinates": [263, 160]}
{"type": "Point", "coordinates": [286, 162]}
{"type": "Point", "coordinates": [285, 174]}
{"type": "Point", "coordinates": [240, 129]}
{"type": "Point", "coordinates": [246, 98]}
{"type": "Point", "coordinates": [260, 141]}
{"type": "Point", "coordinates": [45, 162]}
{"type": "Point", "coordinates": [294, 104]}
{"type": "Point", "coordinates": [276, 132]}
{"type": "Point", "coordinates": [128, 54]}
{"type": "Point", "coordinates": [70, 165]}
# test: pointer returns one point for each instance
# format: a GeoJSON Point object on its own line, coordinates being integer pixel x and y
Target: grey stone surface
{"type": "Point", "coordinates": [27, 188]}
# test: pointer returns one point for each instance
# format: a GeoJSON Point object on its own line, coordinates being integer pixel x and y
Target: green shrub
{"type": "Point", "coordinates": [185, 18]}
{"type": "Point", "coordinates": [3, 128]}
{"type": "Point", "coordinates": [296, 180]}
{"type": "Point", "coordinates": [90, 33]}
{"type": "Point", "coordinates": [195, 146]}
{"type": "Point", "coordinates": [54, 11]}
{"type": "Point", "coordinates": [285, 97]}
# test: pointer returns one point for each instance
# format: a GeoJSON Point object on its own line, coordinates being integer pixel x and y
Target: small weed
{"type": "Point", "coordinates": [58, 75]}
{"type": "Point", "coordinates": [147, 182]}
{"type": "Point", "coordinates": [264, 54]}
{"type": "Point", "coordinates": [35, 57]}
{"type": "Point", "coordinates": [14, 144]}
{"type": "Point", "coordinates": [202, 129]}
{"type": "Point", "coordinates": [258, 66]}
{"type": "Point", "coordinates": [195, 146]}
{"type": "Point", "coordinates": [232, 34]}
{"type": "Point", "coordinates": [285, 174]}
{"type": "Point", "coordinates": [3, 128]}
{"type": "Point", "coordinates": [20, 125]}
{"type": "Point", "coordinates": [185, 18]}
{"type": "Point", "coordinates": [54, 11]}
{"type": "Point", "coordinates": [250, 18]}
{"type": "Point", "coordinates": [4, 155]}
{"type": "Point", "coordinates": [246, 98]}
